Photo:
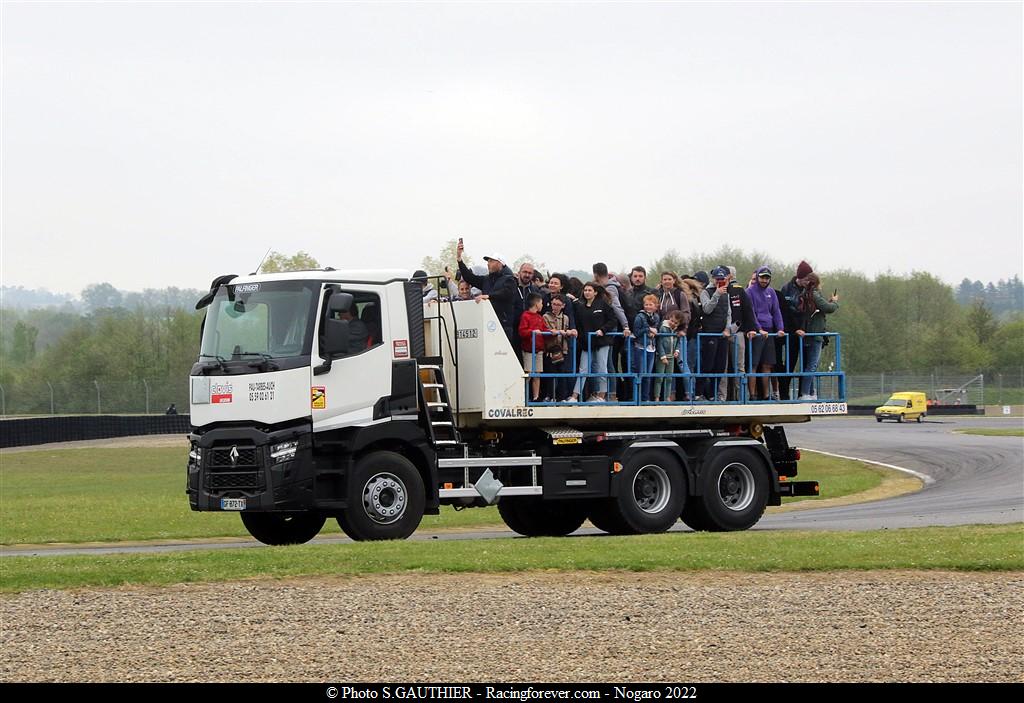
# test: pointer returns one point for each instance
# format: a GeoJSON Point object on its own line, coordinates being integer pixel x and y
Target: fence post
{"type": "Point", "coordinates": [99, 409]}
{"type": "Point", "coordinates": [881, 385]}
{"type": "Point", "coordinates": [3, 402]}
{"type": "Point", "coordinates": [144, 383]}
{"type": "Point", "coordinates": [999, 400]}
{"type": "Point", "coordinates": [50, 386]}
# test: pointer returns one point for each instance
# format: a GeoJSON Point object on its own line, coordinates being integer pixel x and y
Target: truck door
{"type": "Point", "coordinates": [345, 394]}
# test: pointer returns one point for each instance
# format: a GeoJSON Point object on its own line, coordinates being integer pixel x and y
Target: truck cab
{"type": "Point", "coordinates": [903, 406]}
{"type": "Point", "coordinates": [339, 395]}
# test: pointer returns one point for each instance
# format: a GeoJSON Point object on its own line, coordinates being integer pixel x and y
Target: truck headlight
{"type": "Point", "coordinates": [285, 451]}
{"type": "Point", "coordinates": [196, 454]}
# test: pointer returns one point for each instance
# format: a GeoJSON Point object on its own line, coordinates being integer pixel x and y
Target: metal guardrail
{"type": "Point", "coordinates": [833, 392]}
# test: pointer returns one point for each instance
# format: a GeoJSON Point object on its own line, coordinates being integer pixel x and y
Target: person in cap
{"type": "Point", "coordinates": [714, 346]}
{"type": "Point", "coordinates": [789, 303]}
{"type": "Point", "coordinates": [742, 328]}
{"type": "Point", "coordinates": [768, 317]}
{"type": "Point", "coordinates": [498, 286]}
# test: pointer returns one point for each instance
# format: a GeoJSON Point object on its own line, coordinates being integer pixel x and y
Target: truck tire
{"type": "Point", "coordinates": [388, 499]}
{"type": "Point", "coordinates": [694, 516]}
{"type": "Point", "coordinates": [276, 529]}
{"type": "Point", "coordinates": [734, 492]}
{"type": "Point", "coordinates": [899, 418]}
{"type": "Point", "coordinates": [920, 419]}
{"type": "Point", "coordinates": [604, 515]}
{"type": "Point", "coordinates": [651, 495]}
{"type": "Point", "coordinates": [878, 419]}
{"type": "Point", "coordinates": [533, 517]}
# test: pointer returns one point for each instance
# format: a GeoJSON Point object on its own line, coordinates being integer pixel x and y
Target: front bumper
{"type": "Point", "coordinates": [236, 463]}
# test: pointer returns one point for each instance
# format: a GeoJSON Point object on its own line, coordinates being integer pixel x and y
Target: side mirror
{"type": "Point", "coordinates": [334, 335]}
{"type": "Point", "coordinates": [335, 341]}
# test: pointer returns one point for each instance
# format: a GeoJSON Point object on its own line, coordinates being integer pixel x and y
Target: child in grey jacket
{"type": "Point", "coordinates": [666, 354]}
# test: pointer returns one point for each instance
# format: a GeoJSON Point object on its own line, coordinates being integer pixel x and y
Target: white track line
{"type": "Point", "coordinates": [924, 477]}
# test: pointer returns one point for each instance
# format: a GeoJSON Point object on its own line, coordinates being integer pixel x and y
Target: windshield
{"type": "Point", "coordinates": [897, 402]}
{"type": "Point", "coordinates": [253, 321]}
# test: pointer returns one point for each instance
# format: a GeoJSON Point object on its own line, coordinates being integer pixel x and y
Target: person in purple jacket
{"type": "Point", "coordinates": [768, 315]}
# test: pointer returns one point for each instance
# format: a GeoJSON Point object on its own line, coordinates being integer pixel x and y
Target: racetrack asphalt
{"type": "Point", "coordinates": [975, 480]}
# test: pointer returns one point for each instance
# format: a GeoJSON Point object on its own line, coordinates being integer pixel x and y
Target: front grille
{"type": "Point", "coordinates": [243, 474]}
{"type": "Point", "coordinates": [222, 457]}
{"type": "Point", "coordinates": [242, 480]}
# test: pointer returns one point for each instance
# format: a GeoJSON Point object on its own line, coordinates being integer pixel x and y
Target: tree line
{"type": "Point", "coordinates": [889, 322]}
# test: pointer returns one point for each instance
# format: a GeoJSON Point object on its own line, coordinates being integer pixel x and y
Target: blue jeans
{"type": "Point", "coordinates": [643, 363]}
{"type": "Point", "coordinates": [691, 365]}
{"type": "Point", "coordinates": [596, 365]}
{"type": "Point", "coordinates": [812, 355]}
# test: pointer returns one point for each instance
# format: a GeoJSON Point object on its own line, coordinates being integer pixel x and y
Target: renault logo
{"type": "Point", "coordinates": [234, 455]}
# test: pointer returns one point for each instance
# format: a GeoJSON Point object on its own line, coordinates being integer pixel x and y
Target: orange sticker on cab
{"type": "Point", "coordinates": [318, 397]}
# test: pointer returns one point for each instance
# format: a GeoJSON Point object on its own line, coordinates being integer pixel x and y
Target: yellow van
{"type": "Point", "coordinates": [903, 406]}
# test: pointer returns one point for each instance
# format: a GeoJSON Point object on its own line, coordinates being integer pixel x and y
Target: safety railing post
{"type": "Point", "coordinates": [50, 386]}
{"type": "Point", "coordinates": [99, 407]}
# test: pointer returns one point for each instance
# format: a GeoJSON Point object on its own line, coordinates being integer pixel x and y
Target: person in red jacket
{"type": "Point", "coordinates": [532, 343]}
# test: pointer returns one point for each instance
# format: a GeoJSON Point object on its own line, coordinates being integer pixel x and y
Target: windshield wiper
{"type": "Point", "coordinates": [219, 361]}
{"type": "Point", "coordinates": [266, 361]}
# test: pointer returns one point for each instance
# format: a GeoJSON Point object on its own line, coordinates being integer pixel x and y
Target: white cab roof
{"type": "Point", "coordinates": [351, 275]}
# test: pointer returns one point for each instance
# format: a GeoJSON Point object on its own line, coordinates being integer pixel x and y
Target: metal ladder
{"type": "Point", "coordinates": [436, 404]}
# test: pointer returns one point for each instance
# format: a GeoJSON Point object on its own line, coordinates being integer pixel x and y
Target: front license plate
{"type": "Point", "coordinates": [232, 503]}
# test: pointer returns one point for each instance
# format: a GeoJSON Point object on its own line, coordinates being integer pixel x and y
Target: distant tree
{"type": "Point", "coordinates": [276, 262]}
{"type": "Point", "coordinates": [434, 265]}
{"type": "Point", "coordinates": [101, 295]}
{"type": "Point", "coordinates": [982, 321]}
{"type": "Point", "coordinates": [745, 263]}
{"type": "Point", "coordinates": [23, 343]}
{"type": "Point", "coordinates": [1008, 344]}
{"type": "Point", "coordinates": [669, 261]}
{"type": "Point", "coordinates": [527, 259]}
{"type": "Point", "coordinates": [22, 298]}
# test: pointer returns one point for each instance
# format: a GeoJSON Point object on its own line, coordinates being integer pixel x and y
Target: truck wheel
{"type": "Point", "coordinates": [604, 515]}
{"type": "Point", "coordinates": [899, 418]}
{"type": "Point", "coordinates": [735, 490]}
{"type": "Point", "coordinates": [533, 517]}
{"type": "Point", "coordinates": [878, 419]}
{"type": "Point", "coordinates": [694, 516]}
{"type": "Point", "coordinates": [920, 418]}
{"type": "Point", "coordinates": [283, 528]}
{"type": "Point", "coordinates": [388, 500]}
{"type": "Point", "coordinates": [651, 495]}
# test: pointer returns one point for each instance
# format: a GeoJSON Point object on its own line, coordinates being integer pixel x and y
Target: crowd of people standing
{"type": "Point", "coordinates": [627, 330]}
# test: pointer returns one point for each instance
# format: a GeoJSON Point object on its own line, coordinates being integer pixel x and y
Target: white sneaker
{"type": "Point", "coordinates": [806, 397]}
{"type": "Point", "coordinates": [595, 399]}
{"type": "Point", "coordinates": [572, 399]}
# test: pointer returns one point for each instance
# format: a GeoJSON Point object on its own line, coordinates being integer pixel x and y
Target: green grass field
{"type": "Point", "coordinates": [994, 431]}
{"type": "Point", "coordinates": [106, 495]}
{"type": "Point", "coordinates": [988, 548]}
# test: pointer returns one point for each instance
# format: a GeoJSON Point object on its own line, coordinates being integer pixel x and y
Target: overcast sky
{"type": "Point", "coordinates": [156, 144]}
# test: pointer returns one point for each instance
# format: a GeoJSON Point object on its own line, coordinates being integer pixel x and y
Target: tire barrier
{"type": "Point", "coordinates": [21, 432]}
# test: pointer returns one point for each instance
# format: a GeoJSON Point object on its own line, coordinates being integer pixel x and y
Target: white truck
{"type": "Point", "coordinates": [339, 394]}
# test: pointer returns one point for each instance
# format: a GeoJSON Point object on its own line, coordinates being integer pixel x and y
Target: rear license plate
{"type": "Point", "coordinates": [232, 503]}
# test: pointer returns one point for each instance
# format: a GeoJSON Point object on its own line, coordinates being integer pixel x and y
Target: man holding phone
{"type": "Point", "coordinates": [714, 301]}
{"type": "Point", "coordinates": [498, 286]}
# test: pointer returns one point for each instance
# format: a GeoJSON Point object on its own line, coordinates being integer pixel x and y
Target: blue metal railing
{"type": "Point", "coordinates": [821, 386]}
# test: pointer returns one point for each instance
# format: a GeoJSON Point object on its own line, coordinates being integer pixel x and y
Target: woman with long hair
{"type": "Point", "coordinates": [594, 322]}
{"type": "Point", "coordinates": [813, 308]}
